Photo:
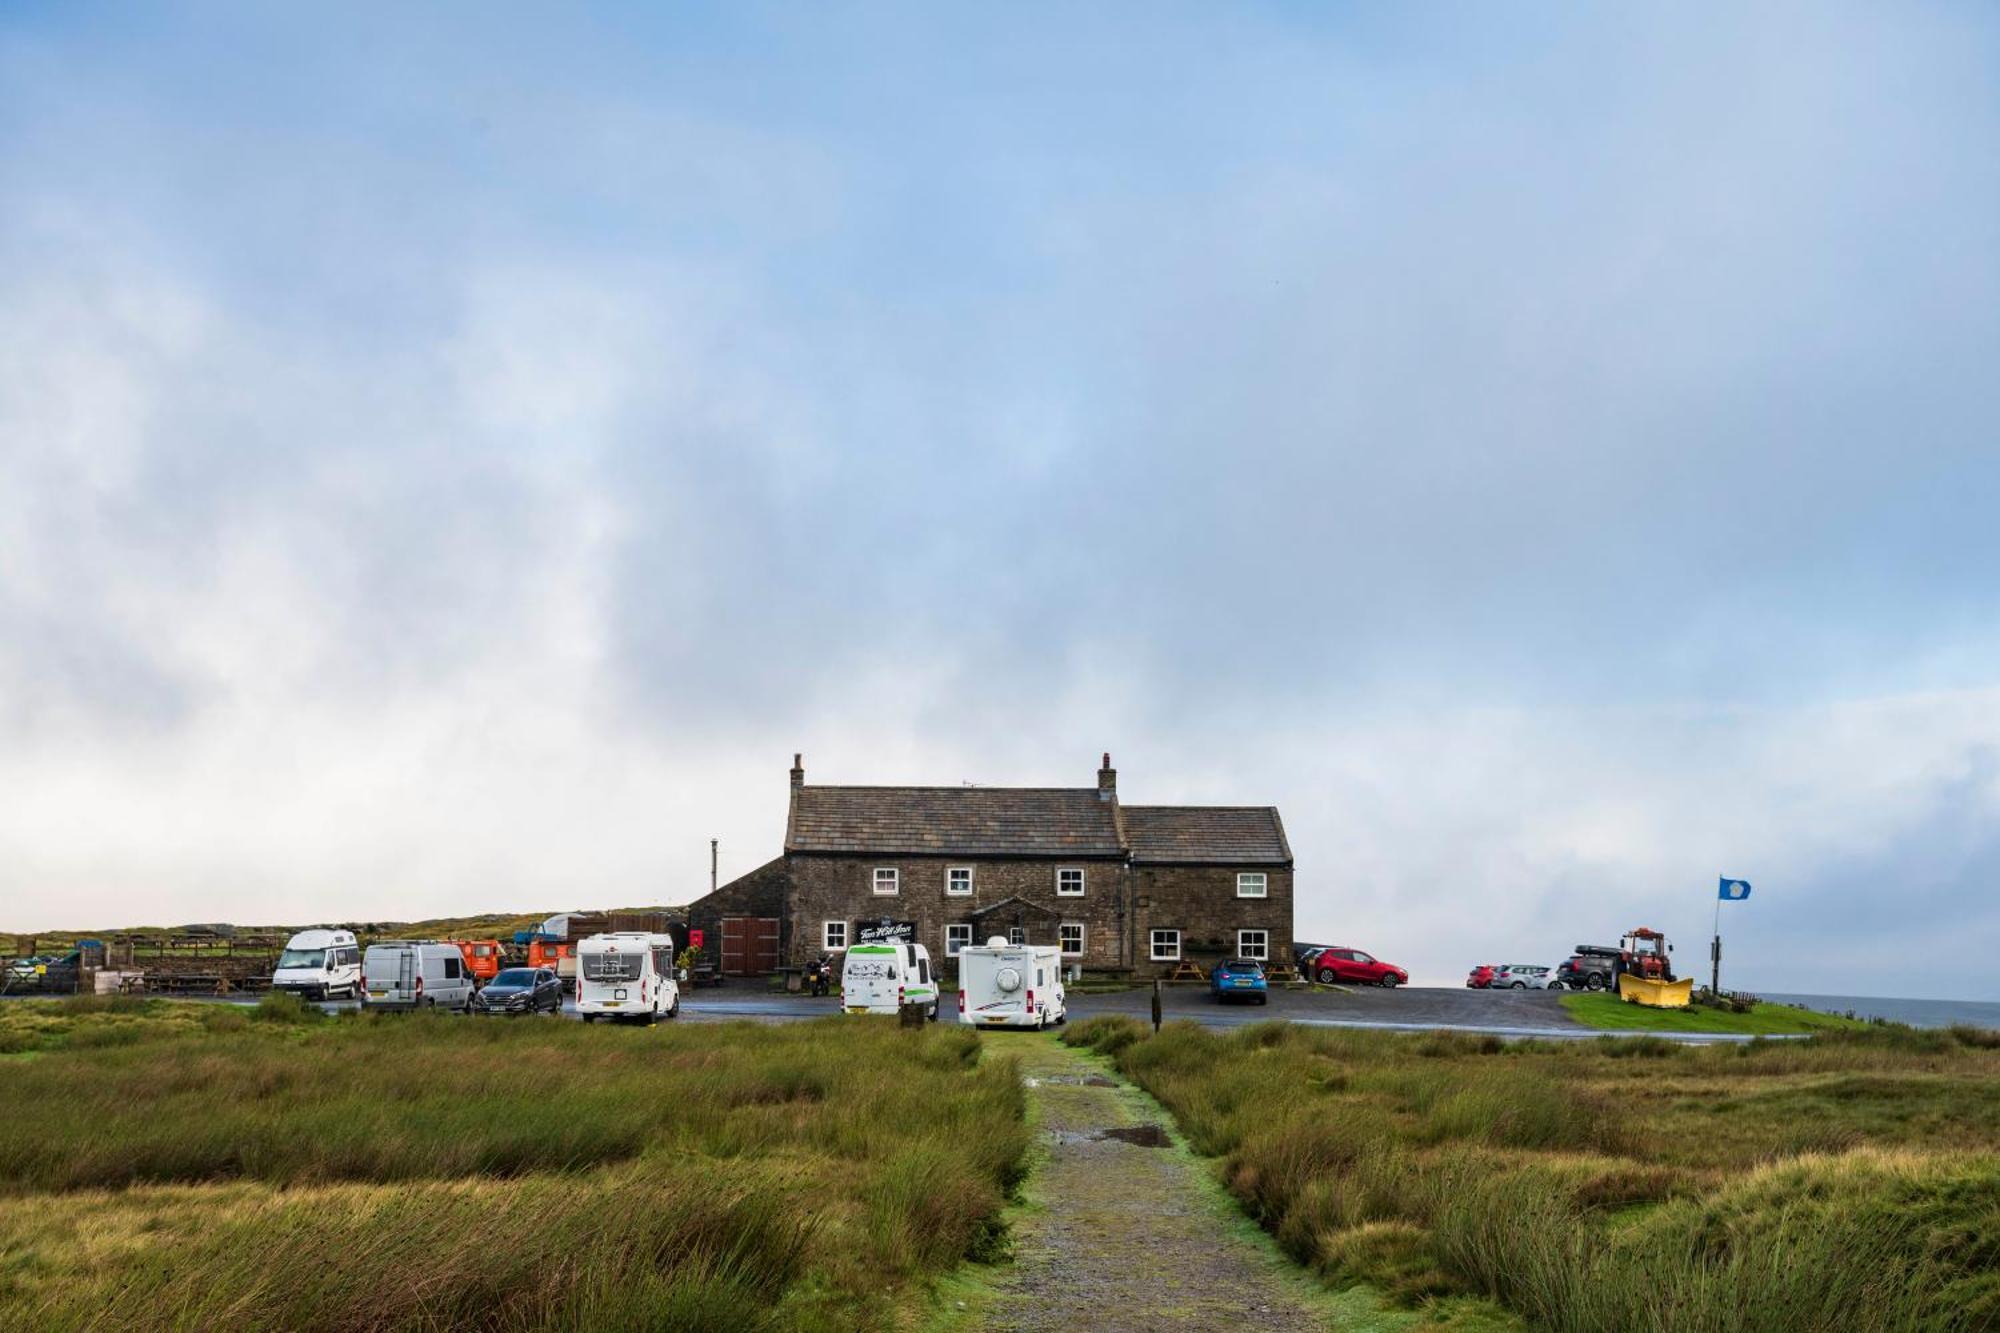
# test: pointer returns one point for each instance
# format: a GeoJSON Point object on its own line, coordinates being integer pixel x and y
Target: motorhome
{"type": "Point", "coordinates": [882, 978]}
{"type": "Point", "coordinates": [629, 974]}
{"type": "Point", "coordinates": [320, 965]}
{"type": "Point", "coordinates": [1011, 985]}
{"type": "Point", "coordinates": [415, 974]}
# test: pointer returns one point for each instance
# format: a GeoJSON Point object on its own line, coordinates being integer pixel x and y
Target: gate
{"type": "Point", "coordinates": [749, 946]}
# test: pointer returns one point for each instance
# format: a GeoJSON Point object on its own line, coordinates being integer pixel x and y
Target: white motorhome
{"type": "Point", "coordinates": [415, 974]}
{"type": "Point", "coordinates": [1011, 985]}
{"type": "Point", "coordinates": [629, 974]}
{"type": "Point", "coordinates": [882, 978]}
{"type": "Point", "coordinates": [320, 965]}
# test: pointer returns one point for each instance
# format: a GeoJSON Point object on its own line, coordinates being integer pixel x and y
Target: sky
{"type": "Point", "coordinates": [452, 457]}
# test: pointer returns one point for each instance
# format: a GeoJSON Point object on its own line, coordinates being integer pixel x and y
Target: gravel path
{"type": "Point", "coordinates": [1122, 1232]}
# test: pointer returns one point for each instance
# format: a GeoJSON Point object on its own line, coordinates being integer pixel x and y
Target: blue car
{"type": "Point", "coordinates": [1239, 979]}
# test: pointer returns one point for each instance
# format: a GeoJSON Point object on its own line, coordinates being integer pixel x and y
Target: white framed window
{"type": "Point", "coordinates": [1166, 946]}
{"type": "Point", "coordinates": [1071, 935]}
{"type": "Point", "coordinates": [956, 937]}
{"type": "Point", "coordinates": [1254, 944]}
{"type": "Point", "coordinates": [1017, 934]}
{"type": "Point", "coordinates": [886, 881]}
{"type": "Point", "coordinates": [958, 881]}
{"type": "Point", "coordinates": [1252, 884]}
{"type": "Point", "coordinates": [833, 935]}
{"type": "Point", "coordinates": [1069, 883]}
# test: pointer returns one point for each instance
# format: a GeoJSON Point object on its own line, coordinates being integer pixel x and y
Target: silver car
{"type": "Point", "coordinates": [1521, 976]}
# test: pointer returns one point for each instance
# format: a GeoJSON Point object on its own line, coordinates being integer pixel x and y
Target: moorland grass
{"type": "Point", "coordinates": [1849, 1181]}
{"type": "Point", "coordinates": [1608, 1013]}
{"type": "Point", "coordinates": [270, 1169]}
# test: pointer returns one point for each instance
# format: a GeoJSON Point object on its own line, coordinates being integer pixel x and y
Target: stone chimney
{"type": "Point", "coordinates": [1107, 780]}
{"type": "Point", "coordinates": [798, 771]}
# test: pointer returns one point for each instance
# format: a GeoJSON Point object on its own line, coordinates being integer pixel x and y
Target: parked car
{"type": "Point", "coordinates": [1521, 976]}
{"type": "Point", "coordinates": [319, 965]}
{"type": "Point", "coordinates": [1355, 967]}
{"type": "Point", "coordinates": [520, 990]}
{"type": "Point", "coordinates": [1481, 977]}
{"type": "Point", "coordinates": [626, 974]}
{"type": "Point", "coordinates": [999, 984]}
{"type": "Point", "coordinates": [1239, 979]}
{"type": "Point", "coordinates": [1582, 972]}
{"type": "Point", "coordinates": [415, 974]}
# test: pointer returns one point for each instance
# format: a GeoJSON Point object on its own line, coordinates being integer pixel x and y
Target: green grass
{"type": "Point", "coordinates": [184, 1165]}
{"type": "Point", "coordinates": [1611, 1014]}
{"type": "Point", "coordinates": [1850, 1180]}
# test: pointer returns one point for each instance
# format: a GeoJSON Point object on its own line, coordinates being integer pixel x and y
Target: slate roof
{"type": "Point", "coordinates": [964, 821]}
{"type": "Point", "coordinates": [1207, 834]}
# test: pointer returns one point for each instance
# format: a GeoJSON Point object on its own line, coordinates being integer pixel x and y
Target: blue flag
{"type": "Point", "coordinates": [1734, 890]}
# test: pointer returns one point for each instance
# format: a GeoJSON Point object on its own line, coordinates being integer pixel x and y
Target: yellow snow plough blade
{"type": "Point", "coordinates": [1657, 994]}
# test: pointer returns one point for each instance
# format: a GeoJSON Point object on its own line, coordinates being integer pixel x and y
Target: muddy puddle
{"type": "Point", "coordinates": [1143, 1136]}
{"type": "Point", "coordinates": [1072, 1081]}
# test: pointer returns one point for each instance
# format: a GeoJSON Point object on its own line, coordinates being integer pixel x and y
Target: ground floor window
{"type": "Point", "coordinates": [1072, 937]}
{"type": "Point", "coordinates": [956, 938]}
{"type": "Point", "coordinates": [1253, 944]}
{"type": "Point", "coordinates": [1166, 946]}
{"type": "Point", "coordinates": [1017, 934]}
{"type": "Point", "coordinates": [833, 935]}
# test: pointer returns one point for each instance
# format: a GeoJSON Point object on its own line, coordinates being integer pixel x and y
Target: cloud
{"type": "Point", "coordinates": [1550, 460]}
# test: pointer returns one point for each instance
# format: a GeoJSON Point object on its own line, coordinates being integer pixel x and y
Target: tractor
{"type": "Point", "coordinates": [1644, 971]}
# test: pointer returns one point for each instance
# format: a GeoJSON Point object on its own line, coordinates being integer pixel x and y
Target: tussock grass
{"type": "Point", "coordinates": [282, 1171]}
{"type": "Point", "coordinates": [1850, 1181]}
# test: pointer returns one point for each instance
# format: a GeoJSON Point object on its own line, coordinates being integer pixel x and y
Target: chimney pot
{"type": "Point", "coordinates": [798, 770]}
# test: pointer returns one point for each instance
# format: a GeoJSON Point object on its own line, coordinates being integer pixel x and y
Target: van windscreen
{"type": "Point", "coordinates": [611, 967]}
{"type": "Point", "coordinates": [314, 958]}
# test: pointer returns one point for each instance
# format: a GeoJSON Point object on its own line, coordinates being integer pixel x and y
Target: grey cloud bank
{"type": "Point", "coordinates": [451, 464]}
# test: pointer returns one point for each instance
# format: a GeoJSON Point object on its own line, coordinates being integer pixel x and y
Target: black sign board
{"type": "Point", "coordinates": [885, 931]}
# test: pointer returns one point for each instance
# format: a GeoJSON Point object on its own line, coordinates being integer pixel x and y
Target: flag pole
{"type": "Point", "coordinates": [1715, 950]}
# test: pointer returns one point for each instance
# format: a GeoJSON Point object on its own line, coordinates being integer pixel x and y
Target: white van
{"type": "Point", "coordinates": [629, 974]}
{"type": "Point", "coordinates": [882, 978]}
{"type": "Point", "coordinates": [320, 965]}
{"type": "Point", "coordinates": [415, 974]}
{"type": "Point", "coordinates": [1011, 985]}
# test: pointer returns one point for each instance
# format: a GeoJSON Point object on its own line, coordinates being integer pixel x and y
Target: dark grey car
{"type": "Point", "coordinates": [520, 990]}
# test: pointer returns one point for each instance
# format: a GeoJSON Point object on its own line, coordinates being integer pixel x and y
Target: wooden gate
{"type": "Point", "coordinates": [749, 946]}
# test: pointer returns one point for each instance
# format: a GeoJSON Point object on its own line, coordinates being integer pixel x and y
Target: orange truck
{"type": "Point", "coordinates": [482, 958]}
{"type": "Point", "coordinates": [558, 954]}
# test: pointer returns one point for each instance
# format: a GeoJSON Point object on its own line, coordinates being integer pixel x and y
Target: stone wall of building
{"type": "Point", "coordinates": [1201, 902]}
{"type": "Point", "coordinates": [761, 892]}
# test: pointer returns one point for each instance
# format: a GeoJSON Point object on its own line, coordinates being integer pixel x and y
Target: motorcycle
{"type": "Point", "coordinates": [819, 975]}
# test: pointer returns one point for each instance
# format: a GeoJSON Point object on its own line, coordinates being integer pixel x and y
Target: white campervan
{"type": "Point", "coordinates": [1011, 985]}
{"type": "Point", "coordinates": [415, 974]}
{"type": "Point", "coordinates": [629, 974]}
{"type": "Point", "coordinates": [882, 978]}
{"type": "Point", "coordinates": [320, 965]}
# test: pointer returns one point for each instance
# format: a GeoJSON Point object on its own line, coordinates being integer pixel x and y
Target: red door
{"type": "Point", "coordinates": [749, 945]}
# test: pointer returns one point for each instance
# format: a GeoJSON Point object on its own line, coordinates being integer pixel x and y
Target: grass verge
{"type": "Point", "coordinates": [177, 1165]}
{"type": "Point", "coordinates": [1608, 1013]}
{"type": "Point", "coordinates": [1851, 1180]}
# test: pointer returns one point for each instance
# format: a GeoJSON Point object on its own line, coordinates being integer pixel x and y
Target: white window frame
{"type": "Point", "coordinates": [1013, 931]}
{"type": "Point", "coordinates": [894, 879]}
{"type": "Point", "coordinates": [1076, 892]}
{"type": "Point", "coordinates": [952, 892]}
{"type": "Point", "coordinates": [827, 930]}
{"type": "Point", "coordinates": [965, 941]}
{"type": "Point", "coordinates": [1082, 939]}
{"type": "Point", "coordinates": [1173, 951]}
{"type": "Point", "coordinates": [1243, 880]}
{"type": "Point", "coordinates": [1263, 954]}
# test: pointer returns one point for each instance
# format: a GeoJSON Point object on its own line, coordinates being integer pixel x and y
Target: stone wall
{"type": "Point", "coordinates": [761, 892]}
{"type": "Point", "coordinates": [1202, 903]}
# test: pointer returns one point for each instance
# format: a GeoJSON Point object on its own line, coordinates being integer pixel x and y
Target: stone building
{"type": "Point", "coordinates": [1118, 887]}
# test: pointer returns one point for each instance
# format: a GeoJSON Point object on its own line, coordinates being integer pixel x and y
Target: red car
{"type": "Point", "coordinates": [1353, 966]}
{"type": "Point", "coordinates": [1481, 978]}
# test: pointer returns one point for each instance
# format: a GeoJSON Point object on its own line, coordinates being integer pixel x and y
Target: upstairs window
{"type": "Point", "coordinates": [1069, 883]}
{"type": "Point", "coordinates": [1252, 884]}
{"type": "Point", "coordinates": [885, 880]}
{"type": "Point", "coordinates": [958, 881]}
{"type": "Point", "coordinates": [1166, 946]}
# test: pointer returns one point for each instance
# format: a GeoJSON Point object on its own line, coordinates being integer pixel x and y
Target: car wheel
{"type": "Point", "coordinates": [1596, 981]}
{"type": "Point", "coordinates": [1519, 985]}
{"type": "Point", "coordinates": [1326, 976]}
{"type": "Point", "coordinates": [1391, 981]}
